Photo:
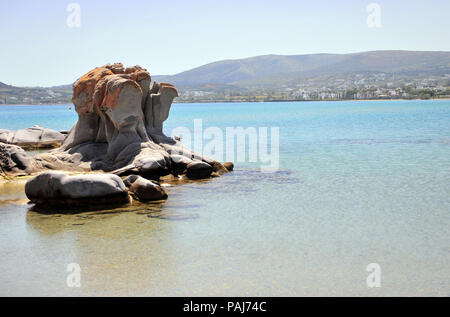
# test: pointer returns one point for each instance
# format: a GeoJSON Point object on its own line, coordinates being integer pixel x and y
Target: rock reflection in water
{"type": "Point", "coordinates": [122, 251]}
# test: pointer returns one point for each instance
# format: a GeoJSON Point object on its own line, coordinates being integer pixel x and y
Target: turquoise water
{"type": "Point", "coordinates": [58, 117]}
{"type": "Point", "coordinates": [359, 183]}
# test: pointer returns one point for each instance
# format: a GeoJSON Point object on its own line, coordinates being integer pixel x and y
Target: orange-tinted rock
{"type": "Point", "coordinates": [116, 68]}
{"type": "Point", "coordinates": [113, 88]}
{"type": "Point", "coordinates": [119, 130]}
{"type": "Point", "coordinates": [167, 86]}
{"type": "Point", "coordinates": [84, 87]}
{"type": "Point", "coordinates": [93, 90]}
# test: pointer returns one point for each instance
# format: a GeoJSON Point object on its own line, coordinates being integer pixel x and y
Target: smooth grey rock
{"type": "Point", "coordinates": [216, 166]}
{"type": "Point", "coordinates": [13, 159]}
{"type": "Point", "coordinates": [152, 161]}
{"type": "Point", "coordinates": [145, 190]}
{"type": "Point", "coordinates": [58, 188]}
{"type": "Point", "coordinates": [180, 159]}
{"type": "Point", "coordinates": [84, 131]}
{"type": "Point", "coordinates": [160, 106]}
{"type": "Point", "coordinates": [130, 179]}
{"type": "Point", "coordinates": [34, 137]}
{"type": "Point", "coordinates": [126, 116]}
{"type": "Point", "coordinates": [6, 136]}
{"type": "Point", "coordinates": [198, 170]}
{"type": "Point", "coordinates": [179, 163]}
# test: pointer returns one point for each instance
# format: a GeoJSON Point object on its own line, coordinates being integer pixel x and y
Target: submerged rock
{"type": "Point", "coordinates": [145, 190]}
{"type": "Point", "coordinates": [32, 138]}
{"type": "Point", "coordinates": [60, 189]}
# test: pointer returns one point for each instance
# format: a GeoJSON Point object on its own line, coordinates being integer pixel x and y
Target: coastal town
{"type": "Point", "coordinates": [355, 86]}
{"type": "Point", "coordinates": [359, 87]}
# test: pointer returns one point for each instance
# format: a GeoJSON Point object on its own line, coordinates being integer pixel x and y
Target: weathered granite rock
{"type": "Point", "coordinates": [198, 170]}
{"type": "Point", "coordinates": [32, 138]}
{"type": "Point", "coordinates": [120, 129]}
{"type": "Point", "coordinates": [60, 189]}
{"type": "Point", "coordinates": [116, 107]}
{"type": "Point", "coordinates": [5, 135]}
{"type": "Point", "coordinates": [216, 166]}
{"type": "Point", "coordinates": [14, 160]}
{"type": "Point", "coordinates": [145, 190]}
{"type": "Point", "coordinates": [179, 163]}
{"type": "Point", "coordinates": [229, 166]}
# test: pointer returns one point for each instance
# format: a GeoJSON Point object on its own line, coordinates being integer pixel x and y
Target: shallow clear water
{"type": "Point", "coordinates": [359, 183]}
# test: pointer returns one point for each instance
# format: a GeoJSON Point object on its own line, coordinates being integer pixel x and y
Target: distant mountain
{"type": "Point", "coordinates": [2, 85]}
{"type": "Point", "coordinates": [289, 77]}
{"type": "Point", "coordinates": [62, 87]}
{"type": "Point", "coordinates": [277, 70]}
{"type": "Point", "coordinates": [35, 95]}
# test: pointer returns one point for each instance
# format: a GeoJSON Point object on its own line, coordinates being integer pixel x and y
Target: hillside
{"type": "Point", "coordinates": [376, 74]}
{"type": "Point", "coordinates": [262, 70]}
{"type": "Point", "coordinates": [35, 95]}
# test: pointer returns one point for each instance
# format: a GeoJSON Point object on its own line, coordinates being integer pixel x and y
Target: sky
{"type": "Point", "coordinates": [41, 43]}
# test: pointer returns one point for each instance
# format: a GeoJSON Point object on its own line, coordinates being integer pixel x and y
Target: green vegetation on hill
{"type": "Point", "coordinates": [34, 95]}
{"type": "Point", "coordinates": [368, 75]}
{"type": "Point", "coordinates": [279, 70]}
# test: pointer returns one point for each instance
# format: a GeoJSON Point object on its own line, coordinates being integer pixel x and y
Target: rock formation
{"type": "Point", "coordinates": [14, 160]}
{"type": "Point", "coordinates": [229, 166]}
{"type": "Point", "coordinates": [198, 169]}
{"type": "Point", "coordinates": [143, 189]}
{"type": "Point", "coordinates": [120, 128]}
{"type": "Point", "coordinates": [58, 189]}
{"type": "Point", "coordinates": [119, 131]}
{"type": "Point", "coordinates": [32, 138]}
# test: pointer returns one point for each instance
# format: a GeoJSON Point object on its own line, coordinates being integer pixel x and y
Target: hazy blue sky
{"type": "Point", "coordinates": [166, 37]}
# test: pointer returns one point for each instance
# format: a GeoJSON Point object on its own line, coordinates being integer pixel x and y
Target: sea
{"type": "Point", "coordinates": [357, 205]}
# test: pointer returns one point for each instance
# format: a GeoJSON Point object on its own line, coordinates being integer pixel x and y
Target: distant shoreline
{"type": "Point", "coordinates": [327, 100]}
{"type": "Point", "coordinates": [37, 104]}
{"type": "Point", "coordinates": [242, 101]}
